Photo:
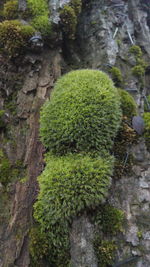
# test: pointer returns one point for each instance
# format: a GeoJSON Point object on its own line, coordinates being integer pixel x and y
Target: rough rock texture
{"type": "Point", "coordinates": [81, 238]}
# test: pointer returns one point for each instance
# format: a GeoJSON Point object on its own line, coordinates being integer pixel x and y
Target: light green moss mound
{"type": "Point", "coordinates": [128, 105]}
{"type": "Point", "coordinates": [39, 11]}
{"type": "Point", "coordinates": [83, 113]}
{"type": "Point", "coordinates": [70, 184]}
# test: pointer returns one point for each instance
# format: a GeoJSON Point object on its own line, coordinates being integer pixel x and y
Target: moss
{"type": "Point", "coordinates": [125, 138]}
{"type": "Point", "coordinates": [109, 220]}
{"type": "Point", "coordinates": [136, 51]}
{"type": "Point", "coordinates": [69, 17]}
{"type": "Point", "coordinates": [14, 37]}
{"type": "Point", "coordinates": [42, 24]}
{"type": "Point", "coordinates": [39, 12]}
{"type": "Point", "coordinates": [139, 69]}
{"type": "Point", "coordinates": [116, 76]}
{"type": "Point", "coordinates": [128, 104]}
{"type": "Point", "coordinates": [2, 123]}
{"type": "Point", "coordinates": [10, 10]}
{"type": "Point", "coordinates": [82, 115]}
{"type": "Point", "coordinates": [105, 251]}
{"type": "Point", "coordinates": [146, 117]}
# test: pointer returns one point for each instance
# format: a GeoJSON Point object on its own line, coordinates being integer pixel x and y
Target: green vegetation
{"type": "Point", "coordinates": [116, 76]}
{"type": "Point", "coordinates": [39, 11]}
{"type": "Point", "coordinates": [70, 184]}
{"type": "Point", "coordinates": [146, 117]}
{"type": "Point", "coordinates": [14, 37]}
{"type": "Point", "coordinates": [136, 51]}
{"type": "Point", "coordinates": [128, 105]}
{"type": "Point", "coordinates": [139, 69]}
{"type": "Point", "coordinates": [109, 219]}
{"type": "Point", "coordinates": [2, 124]}
{"type": "Point", "coordinates": [83, 114]}
{"type": "Point", "coordinates": [10, 10]}
{"type": "Point", "coordinates": [69, 18]}
{"type": "Point", "coordinates": [105, 251]}
{"type": "Point", "coordinates": [126, 135]}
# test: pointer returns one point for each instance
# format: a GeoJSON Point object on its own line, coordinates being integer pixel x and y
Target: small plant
{"type": "Point", "coordinates": [10, 10]}
{"type": "Point", "coordinates": [116, 76]}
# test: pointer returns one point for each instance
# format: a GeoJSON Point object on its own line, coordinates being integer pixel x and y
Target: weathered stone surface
{"type": "Point", "coordinates": [81, 239]}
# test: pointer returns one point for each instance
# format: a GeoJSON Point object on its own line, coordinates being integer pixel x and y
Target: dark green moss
{"type": "Point", "coordinates": [146, 117]}
{"type": "Point", "coordinates": [116, 76]}
{"type": "Point", "coordinates": [128, 104]}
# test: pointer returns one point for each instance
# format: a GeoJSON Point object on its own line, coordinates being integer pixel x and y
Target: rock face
{"type": "Point", "coordinates": [106, 31]}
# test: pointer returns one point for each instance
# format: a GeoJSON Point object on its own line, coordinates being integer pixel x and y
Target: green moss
{"type": "Point", "coordinates": [138, 71]}
{"type": "Point", "coordinates": [10, 10]}
{"type": "Point", "coordinates": [83, 114]}
{"type": "Point", "coordinates": [14, 36]}
{"type": "Point", "coordinates": [136, 51]}
{"type": "Point", "coordinates": [69, 17]}
{"type": "Point", "coordinates": [116, 76]}
{"type": "Point", "coordinates": [105, 251]}
{"type": "Point", "coordinates": [128, 104]}
{"type": "Point", "coordinates": [5, 169]}
{"type": "Point", "coordinates": [109, 220]}
{"type": "Point", "coordinates": [38, 7]}
{"type": "Point", "coordinates": [42, 24]}
{"type": "Point", "coordinates": [69, 185]}
{"type": "Point", "coordinates": [2, 123]}
{"type": "Point", "coordinates": [39, 11]}
{"type": "Point", "coordinates": [146, 117]}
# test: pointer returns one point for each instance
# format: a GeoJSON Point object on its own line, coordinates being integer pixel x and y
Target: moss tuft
{"type": "Point", "coordinates": [128, 104]}
{"type": "Point", "coordinates": [69, 15]}
{"type": "Point", "coordinates": [146, 117]}
{"type": "Point", "coordinates": [116, 76]}
{"type": "Point", "coordinates": [10, 10]}
{"type": "Point", "coordinates": [136, 51]}
{"type": "Point", "coordinates": [14, 36]}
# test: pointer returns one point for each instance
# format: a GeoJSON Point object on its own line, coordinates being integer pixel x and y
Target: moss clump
{"type": "Point", "coordinates": [83, 114]}
{"type": "Point", "coordinates": [109, 220]}
{"type": "Point", "coordinates": [136, 51]}
{"type": "Point", "coordinates": [42, 24]}
{"type": "Point", "coordinates": [139, 69]}
{"type": "Point", "coordinates": [105, 251]}
{"type": "Point", "coordinates": [146, 117]}
{"type": "Point", "coordinates": [10, 10]}
{"type": "Point", "coordinates": [5, 169]}
{"type": "Point", "coordinates": [69, 185]}
{"type": "Point", "coordinates": [2, 124]}
{"type": "Point", "coordinates": [14, 37]}
{"type": "Point", "coordinates": [39, 12]}
{"type": "Point", "coordinates": [116, 76]}
{"type": "Point", "coordinates": [69, 17]}
{"type": "Point", "coordinates": [128, 105]}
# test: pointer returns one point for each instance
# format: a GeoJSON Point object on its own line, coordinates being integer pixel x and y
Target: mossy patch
{"type": "Point", "coordinates": [116, 76]}
{"type": "Point", "coordinates": [10, 10]}
{"type": "Point", "coordinates": [14, 37]}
